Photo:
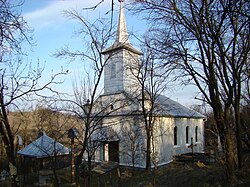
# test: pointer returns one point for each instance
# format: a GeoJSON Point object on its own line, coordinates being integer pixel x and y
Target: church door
{"type": "Point", "coordinates": [114, 151]}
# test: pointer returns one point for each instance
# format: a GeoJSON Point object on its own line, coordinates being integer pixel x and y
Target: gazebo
{"type": "Point", "coordinates": [44, 147]}
{"type": "Point", "coordinates": [44, 153]}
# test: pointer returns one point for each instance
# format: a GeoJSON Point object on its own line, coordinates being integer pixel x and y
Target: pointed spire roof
{"type": "Point", "coordinates": [122, 33]}
{"type": "Point", "coordinates": [121, 41]}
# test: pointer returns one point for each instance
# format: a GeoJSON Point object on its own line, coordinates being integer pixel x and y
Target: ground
{"type": "Point", "coordinates": [188, 174]}
{"type": "Point", "coordinates": [179, 174]}
{"type": "Point", "coordinates": [173, 175]}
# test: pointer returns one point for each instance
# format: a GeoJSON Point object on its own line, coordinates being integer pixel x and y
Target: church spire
{"type": "Point", "coordinates": [118, 77]}
{"type": "Point", "coordinates": [122, 33]}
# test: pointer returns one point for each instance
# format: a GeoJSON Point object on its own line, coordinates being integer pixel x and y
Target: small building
{"type": "Point", "coordinates": [41, 152]}
{"type": "Point", "coordinates": [44, 147]}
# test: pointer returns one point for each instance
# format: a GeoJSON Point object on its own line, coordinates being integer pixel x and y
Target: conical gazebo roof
{"type": "Point", "coordinates": [44, 147]}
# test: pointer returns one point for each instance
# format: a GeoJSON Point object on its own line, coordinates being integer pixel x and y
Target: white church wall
{"type": "Point", "coordinates": [182, 146]}
{"type": "Point", "coordinates": [200, 146]}
{"type": "Point", "coordinates": [164, 147]}
{"type": "Point", "coordinates": [163, 140]}
{"type": "Point", "coordinates": [132, 145]}
{"type": "Point", "coordinates": [131, 68]}
{"type": "Point", "coordinates": [120, 72]}
{"type": "Point", "coordinates": [113, 74]}
{"type": "Point", "coordinates": [125, 127]}
{"type": "Point", "coordinates": [164, 132]}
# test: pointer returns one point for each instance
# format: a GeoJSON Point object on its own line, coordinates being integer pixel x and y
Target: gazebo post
{"type": "Point", "coordinates": [72, 134]}
{"type": "Point", "coordinates": [72, 160]}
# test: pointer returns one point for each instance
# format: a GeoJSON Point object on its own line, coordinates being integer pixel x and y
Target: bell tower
{"type": "Point", "coordinates": [122, 61]}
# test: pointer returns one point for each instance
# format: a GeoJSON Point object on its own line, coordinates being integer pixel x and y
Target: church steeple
{"type": "Point", "coordinates": [122, 33]}
{"type": "Point", "coordinates": [123, 61]}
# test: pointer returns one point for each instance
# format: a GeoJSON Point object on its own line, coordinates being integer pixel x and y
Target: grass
{"type": "Point", "coordinates": [178, 174]}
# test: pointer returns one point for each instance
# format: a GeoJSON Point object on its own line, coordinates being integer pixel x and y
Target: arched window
{"type": "Point", "coordinates": [196, 134]}
{"type": "Point", "coordinates": [187, 129]}
{"type": "Point", "coordinates": [175, 135]}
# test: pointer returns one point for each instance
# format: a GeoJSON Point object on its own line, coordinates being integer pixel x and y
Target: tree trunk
{"type": "Point", "coordinates": [77, 167]}
{"type": "Point", "coordinates": [12, 160]}
{"type": "Point", "coordinates": [228, 143]}
{"type": "Point", "coordinates": [148, 151]}
{"type": "Point", "coordinates": [8, 141]}
{"type": "Point", "coordinates": [230, 151]}
{"type": "Point", "coordinates": [238, 129]}
{"type": "Point", "coordinates": [227, 137]}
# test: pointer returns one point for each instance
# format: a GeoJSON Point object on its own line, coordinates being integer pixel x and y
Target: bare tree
{"type": "Point", "coordinates": [13, 29]}
{"type": "Point", "coordinates": [16, 89]}
{"type": "Point", "coordinates": [246, 88]}
{"type": "Point", "coordinates": [208, 41]}
{"type": "Point", "coordinates": [244, 121]}
{"type": "Point", "coordinates": [18, 80]}
{"type": "Point", "coordinates": [153, 82]}
{"type": "Point", "coordinates": [133, 136]}
{"type": "Point", "coordinates": [84, 104]}
{"type": "Point", "coordinates": [22, 125]}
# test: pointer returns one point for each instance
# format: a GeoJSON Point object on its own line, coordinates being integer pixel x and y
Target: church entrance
{"type": "Point", "coordinates": [111, 151]}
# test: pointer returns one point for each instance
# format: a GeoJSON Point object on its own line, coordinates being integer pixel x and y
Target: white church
{"type": "Point", "coordinates": [122, 136]}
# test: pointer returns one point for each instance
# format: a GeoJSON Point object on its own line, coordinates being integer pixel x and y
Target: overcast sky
{"type": "Point", "coordinates": [52, 30]}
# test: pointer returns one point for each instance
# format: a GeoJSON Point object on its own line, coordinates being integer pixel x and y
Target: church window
{"type": "Point", "coordinates": [187, 133]}
{"type": "Point", "coordinates": [196, 134]}
{"type": "Point", "coordinates": [113, 70]}
{"type": "Point", "coordinates": [175, 135]}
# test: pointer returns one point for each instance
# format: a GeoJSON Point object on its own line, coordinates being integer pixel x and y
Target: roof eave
{"type": "Point", "coordinates": [119, 46]}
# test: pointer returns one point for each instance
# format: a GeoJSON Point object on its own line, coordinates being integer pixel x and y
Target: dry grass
{"type": "Point", "coordinates": [179, 174]}
{"type": "Point", "coordinates": [173, 175]}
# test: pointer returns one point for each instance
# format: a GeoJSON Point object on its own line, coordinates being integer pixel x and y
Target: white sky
{"type": "Point", "coordinates": [52, 31]}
